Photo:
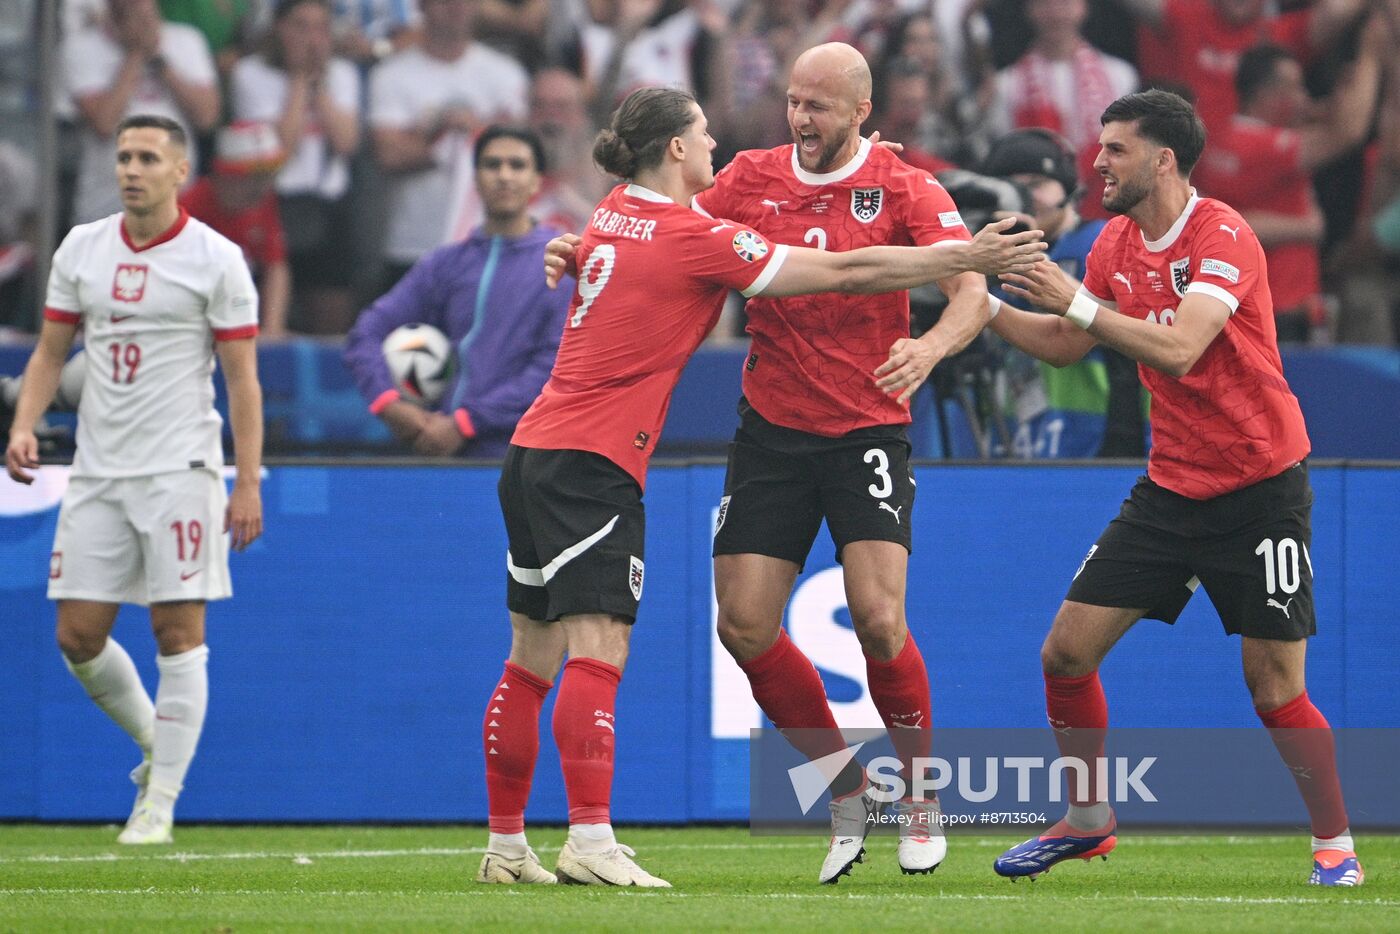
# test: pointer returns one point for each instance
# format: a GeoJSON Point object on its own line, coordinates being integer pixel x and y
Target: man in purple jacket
{"type": "Point", "coordinates": [487, 295]}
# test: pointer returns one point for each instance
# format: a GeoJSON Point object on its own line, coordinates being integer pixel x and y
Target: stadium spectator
{"type": "Point", "coordinates": [313, 99]}
{"type": "Point", "coordinates": [1262, 165]}
{"type": "Point", "coordinates": [1364, 263]}
{"type": "Point", "coordinates": [1045, 163]}
{"type": "Point", "coordinates": [572, 183]}
{"type": "Point", "coordinates": [1199, 42]}
{"type": "Point", "coordinates": [1226, 502]}
{"type": "Point", "coordinates": [617, 46]}
{"type": "Point", "coordinates": [905, 115]}
{"type": "Point", "coordinates": [427, 102]}
{"type": "Point", "coordinates": [238, 200]}
{"type": "Point", "coordinates": [369, 32]}
{"type": "Point", "coordinates": [145, 514]}
{"type": "Point", "coordinates": [230, 27]}
{"type": "Point", "coordinates": [955, 125]}
{"type": "Point", "coordinates": [1062, 83]}
{"type": "Point", "coordinates": [133, 62]}
{"type": "Point", "coordinates": [655, 273]}
{"type": "Point", "coordinates": [515, 27]}
{"type": "Point", "coordinates": [486, 295]}
{"type": "Point", "coordinates": [18, 193]}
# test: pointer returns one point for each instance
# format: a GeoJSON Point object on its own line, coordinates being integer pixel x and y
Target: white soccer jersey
{"type": "Point", "coordinates": [150, 318]}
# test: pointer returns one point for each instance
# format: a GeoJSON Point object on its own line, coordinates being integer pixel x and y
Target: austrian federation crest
{"type": "Point", "coordinates": [1181, 275]}
{"type": "Point", "coordinates": [866, 203]}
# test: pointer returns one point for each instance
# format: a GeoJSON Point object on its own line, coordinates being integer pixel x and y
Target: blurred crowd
{"type": "Point", "coordinates": [335, 136]}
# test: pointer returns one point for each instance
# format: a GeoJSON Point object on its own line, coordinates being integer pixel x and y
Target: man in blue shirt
{"type": "Point", "coordinates": [487, 295]}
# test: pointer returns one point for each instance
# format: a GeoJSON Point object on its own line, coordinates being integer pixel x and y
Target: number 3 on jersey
{"type": "Point", "coordinates": [592, 277]}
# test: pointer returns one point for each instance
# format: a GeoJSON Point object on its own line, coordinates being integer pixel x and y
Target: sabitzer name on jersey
{"type": "Point", "coordinates": [622, 225]}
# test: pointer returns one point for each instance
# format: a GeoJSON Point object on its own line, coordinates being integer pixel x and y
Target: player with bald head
{"type": "Point", "coordinates": [823, 431]}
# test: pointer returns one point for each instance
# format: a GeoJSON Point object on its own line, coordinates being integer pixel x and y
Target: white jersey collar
{"type": "Point", "coordinates": [841, 174]}
{"type": "Point", "coordinates": [646, 194]}
{"type": "Point", "coordinates": [1168, 238]}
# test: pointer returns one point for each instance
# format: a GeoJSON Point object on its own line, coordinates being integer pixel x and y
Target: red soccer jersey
{"type": "Point", "coordinates": [1198, 47]}
{"type": "Point", "coordinates": [813, 357]}
{"type": "Point", "coordinates": [1232, 421]}
{"type": "Point", "coordinates": [257, 230]}
{"type": "Point", "coordinates": [653, 276]}
{"type": "Point", "coordinates": [1254, 166]}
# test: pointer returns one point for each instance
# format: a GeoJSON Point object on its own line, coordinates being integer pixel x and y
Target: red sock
{"type": "Point", "coordinates": [583, 731]}
{"type": "Point", "coordinates": [1078, 713]}
{"type": "Point", "coordinates": [510, 735]}
{"type": "Point", "coordinates": [786, 685]}
{"type": "Point", "coordinates": [900, 691]}
{"type": "Point", "coordinates": [1304, 740]}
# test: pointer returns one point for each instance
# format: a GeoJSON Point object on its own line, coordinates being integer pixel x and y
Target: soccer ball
{"type": "Point", "coordinates": [420, 361]}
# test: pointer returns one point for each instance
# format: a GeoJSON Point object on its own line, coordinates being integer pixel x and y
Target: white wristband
{"type": "Point", "coordinates": [994, 304]}
{"type": "Point", "coordinates": [1082, 310]}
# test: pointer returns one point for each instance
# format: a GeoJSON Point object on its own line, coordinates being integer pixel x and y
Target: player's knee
{"type": "Point", "coordinates": [743, 637]}
{"type": "Point", "coordinates": [78, 646]}
{"type": "Point", "coordinates": [1272, 690]}
{"type": "Point", "coordinates": [880, 628]}
{"type": "Point", "coordinates": [1060, 659]}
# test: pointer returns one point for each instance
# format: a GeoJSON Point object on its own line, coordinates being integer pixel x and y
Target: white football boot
{"type": "Point", "coordinates": [518, 870]}
{"type": "Point", "coordinates": [852, 817]}
{"type": "Point", "coordinates": [148, 825]}
{"type": "Point", "coordinates": [610, 867]}
{"type": "Point", "coordinates": [922, 842]}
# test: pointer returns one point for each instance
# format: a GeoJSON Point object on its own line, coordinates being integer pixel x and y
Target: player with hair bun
{"type": "Point", "coordinates": [652, 277]}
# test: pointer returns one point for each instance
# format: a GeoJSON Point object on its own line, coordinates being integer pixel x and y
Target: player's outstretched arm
{"type": "Point", "coordinates": [1172, 350]}
{"type": "Point", "coordinates": [243, 518]}
{"type": "Point", "coordinates": [559, 258]}
{"type": "Point", "coordinates": [875, 269]}
{"type": "Point", "coordinates": [41, 376]}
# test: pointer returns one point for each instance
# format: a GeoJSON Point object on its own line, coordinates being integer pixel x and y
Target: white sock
{"type": "Point", "coordinates": [1341, 841]}
{"type": "Point", "coordinates": [181, 699]}
{"type": "Point", "coordinates": [110, 679]}
{"type": "Point", "coordinates": [1089, 817]}
{"type": "Point", "coordinates": [509, 845]}
{"type": "Point", "coordinates": [592, 838]}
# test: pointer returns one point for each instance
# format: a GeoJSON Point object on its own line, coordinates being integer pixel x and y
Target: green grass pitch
{"type": "Point", "coordinates": [343, 878]}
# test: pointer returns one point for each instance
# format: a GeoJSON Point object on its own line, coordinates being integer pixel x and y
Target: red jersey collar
{"type": "Point", "coordinates": [170, 233]}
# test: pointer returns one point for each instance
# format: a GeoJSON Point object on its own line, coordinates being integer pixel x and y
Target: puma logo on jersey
{"type": "Point", "coordinates": [891, 510]}
{"type": "Point", "coordinates": [775, 205]}
{"type": "Point", "coordinates": [1234, 232]}
{"type": "Point", "coordinates": [720, 226]}
{"type": "Point", "coordinates": [1123, 279]}
{"type": "Point", "coordinates": [1282, 606]}
{"type": "Point", "coordinates": [601, 722]}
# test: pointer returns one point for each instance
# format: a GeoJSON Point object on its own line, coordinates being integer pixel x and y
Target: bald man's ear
{"type": "Point", "coordinates": [862, 112]}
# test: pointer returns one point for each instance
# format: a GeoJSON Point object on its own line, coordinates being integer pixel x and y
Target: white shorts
{"type": "Point", "coordinates": [142, 540]}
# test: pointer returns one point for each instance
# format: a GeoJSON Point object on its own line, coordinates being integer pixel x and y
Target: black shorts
{"type": "Point", "coordinates": [1249, 549]}
{"type": "Point", "coordinates": [781, 483]}
{"type": "Point", "coordinates": [575, 527]}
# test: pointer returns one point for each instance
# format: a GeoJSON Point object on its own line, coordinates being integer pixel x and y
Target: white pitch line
{"type": "Point", "coordinates": [755, 843]}
{"type": "Point", "coordinates": [496, 892]}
